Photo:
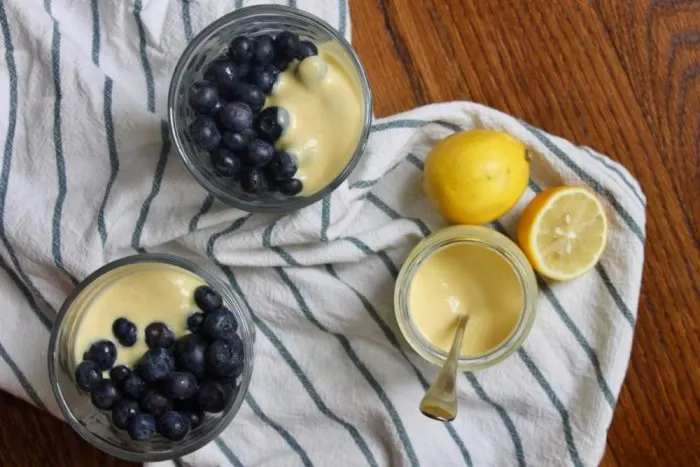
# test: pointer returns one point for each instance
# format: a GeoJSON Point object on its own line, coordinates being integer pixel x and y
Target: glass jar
{"type": "Point", "coordinates": [210, 43]}
{"type": "Point", "coordinates": [94, 425]}
{"type": "Point", "coordinates": [484, 238]}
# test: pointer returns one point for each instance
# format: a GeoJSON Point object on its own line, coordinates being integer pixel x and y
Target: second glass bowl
{"type": "Point", "coordinates": [94, 425]}
{"type": "Point", "coordinates": [210, 43]}
{"type": "Point", "coordinates": [484, 238]}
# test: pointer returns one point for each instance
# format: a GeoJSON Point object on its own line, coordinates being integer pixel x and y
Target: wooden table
{"type": "Point", "coordinates": [622, 76]}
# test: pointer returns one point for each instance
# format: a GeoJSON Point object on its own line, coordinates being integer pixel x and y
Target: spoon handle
{"type": "Point", "coordinates": [440, 402]}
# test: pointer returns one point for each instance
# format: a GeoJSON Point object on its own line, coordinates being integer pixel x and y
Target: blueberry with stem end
{"type": "Point", "coordinates": [241, 49]}
{"type": "Point", "coordinates": [219, 324]}
{"type": "Point", "coordinates": [142, 426]}
{"type": "Point", "coordinates": [271, 123]}
{"type": "Point", "coordinates": [123, 412]}
{"type": "Point", "coordinates": [155, 365]}
{"type": "Point", "coordinates": [105, 395]}
{"type": "Point", "coordinates": [204, 133]}
{"type": "Point", "coordinates": [88, 375]}
{"type": "Point", "coordinates": [102, 352]}
{"type": "Point", "coordinates": [134, 386]}
{"type": "Point", "coordinates": [283, 166]}
{"type": "Point", "coordinates": [125, 331]}
{"type": "Point", "coordinates": [173, 425]}
{"type": "Point", "coordinates": [159, 334]}
{"type": "Point", "coordinates": [202, 96]}
{"type": "Point", "coordinates": [119, 374]}
{"type": "Point", "coordinates": [207, 299]}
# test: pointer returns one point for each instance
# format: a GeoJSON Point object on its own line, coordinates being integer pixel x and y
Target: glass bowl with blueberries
{"type": "Point", "coordinates": [150, 357]}
{"type": "Point", "coordinates": [269, 108]}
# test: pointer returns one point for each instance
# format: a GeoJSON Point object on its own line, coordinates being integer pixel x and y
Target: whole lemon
{"type": "Point", "coordinates": [474, 177]}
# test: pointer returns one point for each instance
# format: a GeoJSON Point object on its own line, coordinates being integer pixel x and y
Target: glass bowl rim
{"type": "Point", "coordinates": [291, 204]}
{"type": "Point", "coordinates": [483, 237]}
{"type": "Point", "coordinates": [178, 450]}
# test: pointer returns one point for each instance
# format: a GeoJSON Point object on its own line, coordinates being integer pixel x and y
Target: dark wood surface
{"type": "Point", "coordinates": [622, 76]}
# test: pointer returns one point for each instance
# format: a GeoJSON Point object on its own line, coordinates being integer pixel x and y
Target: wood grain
{"type": "Point", "coordinates": [620, 76]}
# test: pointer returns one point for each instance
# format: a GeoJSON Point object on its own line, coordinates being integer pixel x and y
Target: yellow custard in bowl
{"type": "Point", "coordinates": [472, 270]}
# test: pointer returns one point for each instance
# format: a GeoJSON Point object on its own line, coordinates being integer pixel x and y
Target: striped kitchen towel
{"type": "Point", "coordinates": [88, 176]}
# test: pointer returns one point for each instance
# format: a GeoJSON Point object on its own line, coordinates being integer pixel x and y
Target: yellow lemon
{"type": "Point", "coordinates": [474, 177]}
{"type": "Point", "coordinates": [563, 231]}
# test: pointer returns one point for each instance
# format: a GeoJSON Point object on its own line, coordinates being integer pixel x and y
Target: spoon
{"type": "Point", "coordinates": [440, 402]}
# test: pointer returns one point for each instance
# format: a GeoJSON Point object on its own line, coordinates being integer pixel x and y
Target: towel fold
{"type": "Point", "coordinates": [88, 176]}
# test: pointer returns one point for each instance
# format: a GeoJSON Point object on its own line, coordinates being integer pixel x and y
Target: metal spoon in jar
{"type": "Point", "coordinates": [440, 402]}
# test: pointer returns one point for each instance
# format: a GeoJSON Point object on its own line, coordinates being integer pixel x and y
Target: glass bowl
{"type": "Point", "coordinates": [485, 238]}
{"type": "Point", "coordinates": [94, 425]}
{"type": "Point", "coordinates": [210, 43]}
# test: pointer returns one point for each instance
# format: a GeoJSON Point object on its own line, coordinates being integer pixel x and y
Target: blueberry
{"type": "Point", "coordinates": [190, 354]}
{"type": "Point", "coordinates": [125, 332]}
{"type": "Point", "coordinates": [195, 417]}
{"type": "Point", "coordinates": [291, 187]}
{"type": "Point", "coordinates": [264, 77]}
{"type": "Point", "coordinates": [207, 299]}
{"type": "Point", "coordinates": [251, 95]}
{"type": "Point", "coordinates": [241, 49]}
{"type": "Point", "coordinates": [103, 352]}
{"type": "Point", "coordinates": [263, 49]}
{"type": "Point", "coordinates": [286, 44]}
{"type": "Point", "coordinates": [283, 166]}
{"type": "Point", "coordinates": [154, 402]}
{"type": "Point", "coordinates": [224, 359]}
{"type": "Point", "coordinates": [280, 63]}
{"type": "Point", "coordinates": [119, 374]}
{"type": "Point", "coordinates": [225, 162]}
{"type": "Point", "coordinates": [87, 375]}
{"type": "Point", "coordinates": [133, 386]}
{"type": "Point", "coordinates": [270, 184]}
{"type": "Point", "coordinates": [260, 153]}
{"type": "Point", "coordinates": [155, 365]}
{"type": "Point", "coordinates": [202, 96]}
{"type": "Point", "coordinates": [180, 385]}
{"type": "Point", "coordinates": [238, 141]}
{"type": "Point", "coordinates": [219, 324]}
{"type": "Point", "coordinates": [306, 49]}
{"type": "Point", "coordinates": [222, 72]}
{"type": "Point", "coordinates": [173, 425]}
{"type": "Point", "coordinates": [213, 397]}
{"type": "Point", "coordinates": [253, 181]}
{"type": "Point", "coordinates": [236, 116]}
{"type": "Point", "coordinates": [159, 335]}
{"type": "Point", "coordinates": [205, 135]}
{"type": "Point", "coordinates": [194, 321]}
{"type": "Point", "coordinates": [271, 122]}
{"type": "Point", "coordinates": [123, 412]}
{"type": "Point", "coordinates": [215, 109]}
{"type": "Point", "coordinates": [142, 426]}
{"type": "Point", "coordinates": [105, 395]}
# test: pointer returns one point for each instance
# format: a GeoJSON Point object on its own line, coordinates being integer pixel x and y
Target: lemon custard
{"type": "Point", "coordinates": [466, 278]}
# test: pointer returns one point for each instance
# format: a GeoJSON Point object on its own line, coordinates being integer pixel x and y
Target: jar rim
{"type": "Point", "coordinates": [486, 238]}
{"type": "Point", "coordinates": [54, 355]}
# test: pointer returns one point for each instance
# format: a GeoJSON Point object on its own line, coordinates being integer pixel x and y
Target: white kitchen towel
{"type": "Point", "coordinates": [88, 176]}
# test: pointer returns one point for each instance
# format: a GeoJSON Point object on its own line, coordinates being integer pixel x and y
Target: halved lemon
{"type": "Point", "coordinates": [563, 231]}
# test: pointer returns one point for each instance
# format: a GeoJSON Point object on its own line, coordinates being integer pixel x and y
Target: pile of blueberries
{"type": "Point", "coordinates": [176, 381]}
{"type": "Point", "coordinates": [230, 122]}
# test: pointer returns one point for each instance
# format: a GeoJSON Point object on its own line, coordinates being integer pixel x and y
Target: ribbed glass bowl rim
{"type": "Point", "coordinates": [250, 13]}
{"type": "Point", "coordinates": [247, 331]}
{"type": "Point", "coordinates": [466, 234]}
